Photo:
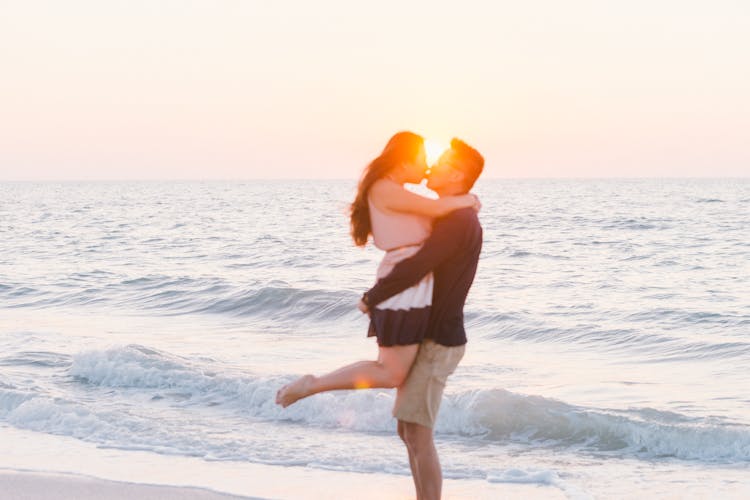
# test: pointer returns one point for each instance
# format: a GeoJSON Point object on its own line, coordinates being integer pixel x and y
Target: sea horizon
{"type": "Point", "coordinates": [354, 179]}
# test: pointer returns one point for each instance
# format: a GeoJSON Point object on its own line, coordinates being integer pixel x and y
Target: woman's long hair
{"type": "Point", "coordinates": [403, 147]}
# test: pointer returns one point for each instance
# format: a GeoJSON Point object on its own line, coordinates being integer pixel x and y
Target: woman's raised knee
{"type": "Point", "coordinates": [392, 375]}
{"type": "Point", "coordinates": [397, 361]}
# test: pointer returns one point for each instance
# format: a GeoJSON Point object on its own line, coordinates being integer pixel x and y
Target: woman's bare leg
{"type": "Point", "coordinates": [388, 371]}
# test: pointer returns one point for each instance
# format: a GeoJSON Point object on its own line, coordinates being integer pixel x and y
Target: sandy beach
{"type": "Point", "coordinates": [24, 485]}
{"type": "Point", "coordinates": [48, 486]}
{"type": "Point", "coordinates": [31, 468]}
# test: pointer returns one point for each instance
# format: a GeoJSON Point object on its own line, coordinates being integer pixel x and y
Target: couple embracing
{"type": "Point", "coordinates": [416, 305]}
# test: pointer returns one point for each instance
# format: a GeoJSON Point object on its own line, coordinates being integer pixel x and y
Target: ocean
{"type": "Point", "coordinates": [608, 326]}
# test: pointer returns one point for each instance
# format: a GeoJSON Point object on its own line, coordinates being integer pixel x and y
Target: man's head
{"type": "Point", "coordinates": [456, 170]}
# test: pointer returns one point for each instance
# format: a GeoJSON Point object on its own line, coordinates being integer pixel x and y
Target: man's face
{"type": "Point", "coordinates": [445, 172]}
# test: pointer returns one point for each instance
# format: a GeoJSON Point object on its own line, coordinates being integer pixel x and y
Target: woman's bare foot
{"type": "Point", "coordinates": [295, 391]}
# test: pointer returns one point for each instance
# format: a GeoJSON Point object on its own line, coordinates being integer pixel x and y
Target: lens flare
{"type": "Point", "coordinates": [433, 149]}
{"type": "Point", "coordinates": [362, 384]}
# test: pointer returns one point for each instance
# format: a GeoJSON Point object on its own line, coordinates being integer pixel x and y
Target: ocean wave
{"type": "Point", "coordinates": [519, 476]}
{"type": "Point", "coordinates": [20, 291]}
{"type": "Point", "coordinates": [652, 345]}
{"type": "Point", "coordinates": [184, 295]}
{"type": "Point", "coordinates": [11, 398]}
{"type": "Point", "coordinates": [541, 255]}
{"type": "Point", "coordinates": [26, 410]}
{"type": "Point", "coordinates": [128, 431]}
{"type": "Point", "coordinates": [504, 415]}
{"type": "Point", "coordinates": [285, 304]}
{"type": "Point", "coordinates": [493, 415]}
{"type": "Point", "coordinates": [35, 358]}
{"type": "Point", "coordinates": [683, 316]}
{"type": "Point", "coordinates": [642, 223]}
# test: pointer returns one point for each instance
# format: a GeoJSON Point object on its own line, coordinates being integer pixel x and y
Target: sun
{"type": "Point", "coordinates": [433, 149]}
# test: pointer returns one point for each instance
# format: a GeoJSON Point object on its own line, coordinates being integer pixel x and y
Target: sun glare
{"type": "Point", "coordinates": [433, 150]}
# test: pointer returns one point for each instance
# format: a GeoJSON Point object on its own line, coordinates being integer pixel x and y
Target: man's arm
{"type": "Point", "coordinates": [447, 237]}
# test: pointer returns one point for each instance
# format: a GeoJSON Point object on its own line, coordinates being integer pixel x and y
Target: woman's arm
{"type": "Point", "coordinates": [391, 196]}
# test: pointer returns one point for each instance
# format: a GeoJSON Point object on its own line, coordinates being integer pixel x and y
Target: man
{"type": "Point", "coordinates": [451, 253]}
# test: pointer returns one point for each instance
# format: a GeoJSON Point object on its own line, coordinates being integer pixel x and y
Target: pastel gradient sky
{"type": "Point", "coordinates": [312, 89]}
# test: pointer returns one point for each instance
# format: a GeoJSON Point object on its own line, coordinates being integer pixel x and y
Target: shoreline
{"type": "Point", "coordinates": [46, 485]}
{"type": "Point", "coordinates": [31, 467]}
{"type": "Point", "coordinates": [35, 485]}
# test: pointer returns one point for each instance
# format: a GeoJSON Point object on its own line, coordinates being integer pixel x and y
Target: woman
{"type": "Point", "coordinates": [399, 221]}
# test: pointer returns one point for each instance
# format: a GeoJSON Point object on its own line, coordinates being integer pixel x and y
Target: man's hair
{"type": "Point", "coordinates": [472, 163]}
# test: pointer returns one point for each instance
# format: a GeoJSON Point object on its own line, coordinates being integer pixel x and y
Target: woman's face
{"type": "Point", "coordinates": [415, 171]}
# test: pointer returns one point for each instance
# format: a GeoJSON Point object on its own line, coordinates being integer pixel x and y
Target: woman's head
{"type": "Point", "coordinates": [403, 158]}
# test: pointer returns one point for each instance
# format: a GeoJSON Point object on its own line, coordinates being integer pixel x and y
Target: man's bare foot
{"type": "Point", "coordinates": [295, 391]}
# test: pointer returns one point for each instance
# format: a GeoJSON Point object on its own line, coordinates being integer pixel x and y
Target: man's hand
{"type": "Point", "coordinates": [477, 203]}
{"type": "Point", "coordinates": [363, 307]}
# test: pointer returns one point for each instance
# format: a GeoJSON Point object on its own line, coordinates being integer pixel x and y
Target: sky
{"type": "Point", "coordinates": [231, 89]}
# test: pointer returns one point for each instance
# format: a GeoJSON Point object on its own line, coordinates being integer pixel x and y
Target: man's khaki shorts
{"type": "Point", "coordinates": [418, 399]}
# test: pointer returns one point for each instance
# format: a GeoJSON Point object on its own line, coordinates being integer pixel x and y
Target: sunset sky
{"type": "Point", "coordinates": [312, 89]}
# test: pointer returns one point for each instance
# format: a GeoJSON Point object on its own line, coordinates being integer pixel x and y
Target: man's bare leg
{"type": "Point", "coordinates": [388, 371]}
{"type": "Point", "coordinates": [412, 461]}
{"type": "Point", "coordinates": [422, 446]}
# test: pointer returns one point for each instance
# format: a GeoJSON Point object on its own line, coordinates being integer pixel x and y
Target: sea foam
{"type": "Point", "coordinates": [494, 415]}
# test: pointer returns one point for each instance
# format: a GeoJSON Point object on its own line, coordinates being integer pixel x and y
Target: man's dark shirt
{"type": "Point", "coordinates": [451, 252]}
